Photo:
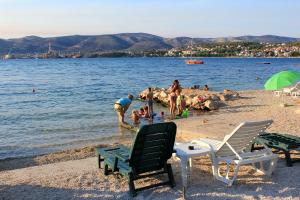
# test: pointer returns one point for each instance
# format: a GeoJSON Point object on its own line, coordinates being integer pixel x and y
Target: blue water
{"type": "Point", "coordinates": [72, 105]}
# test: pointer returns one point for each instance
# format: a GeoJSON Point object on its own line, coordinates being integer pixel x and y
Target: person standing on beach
{"type": "Point", "coordinates": [121, 106]}
{"type": "Point", "coordinates": [149, 98]}
{"type": "Point", "coordinates": [173, 97]}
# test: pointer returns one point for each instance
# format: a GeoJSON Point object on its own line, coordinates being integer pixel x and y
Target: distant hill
{"type": "Point", "coordinates": [119, 42]}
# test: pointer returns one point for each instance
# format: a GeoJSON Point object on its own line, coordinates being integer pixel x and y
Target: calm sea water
{"type": "Point", "coordinates": [72, 105]}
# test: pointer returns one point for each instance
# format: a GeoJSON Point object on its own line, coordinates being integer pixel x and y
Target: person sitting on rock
{"type": "Point", "coordinates": [205, 88]}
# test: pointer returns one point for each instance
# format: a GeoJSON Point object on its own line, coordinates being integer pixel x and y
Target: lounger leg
{"type": "Point", "coordinates": [131, 185]}
{"type": "Point", "coordinates": [236, 170]}
{"type": "Point", "coordinates": [288, 159]}
{"type": "Point", "coordinates": [273, 164]}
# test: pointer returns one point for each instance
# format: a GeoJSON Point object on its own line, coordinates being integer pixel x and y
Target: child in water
{"type": "Point", "coordinates": [146, 112]}
{"type": "Point", "coordinates": [135, 117]}
{"type": "Point", "coordinates": [142, 112]}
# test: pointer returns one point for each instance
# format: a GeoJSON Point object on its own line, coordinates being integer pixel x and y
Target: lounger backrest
{"type": "Point", "coordinates": [153, 146]}
{"type": "Point", "coordinates": [242, 137]}
{"type": "Point", "coordinates": [297, 86]}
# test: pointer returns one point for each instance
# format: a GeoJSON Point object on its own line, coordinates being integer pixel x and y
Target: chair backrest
{"type": "Point", "coordinates": [241, 137]}
{"type": "Point", "coordinates": [153, 146]}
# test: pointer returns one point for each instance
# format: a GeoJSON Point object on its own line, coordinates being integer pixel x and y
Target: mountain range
{"type": "Point", "coordinates": [119, 42]}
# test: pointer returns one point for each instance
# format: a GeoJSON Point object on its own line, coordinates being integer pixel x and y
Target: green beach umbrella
{"type": "Point", "coordinates": [281, 80]}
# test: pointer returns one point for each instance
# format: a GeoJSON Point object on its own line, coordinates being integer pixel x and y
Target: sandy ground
{"type": "Point", "coordinates": [252, 106]}
{"type": "Point", "coordinates": [79, 177]}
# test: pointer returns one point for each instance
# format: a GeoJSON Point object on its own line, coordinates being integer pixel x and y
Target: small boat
{"type": "Point", "coordinates": [264, 63]}
{"type": "Point", "coordinates": [194, 62]}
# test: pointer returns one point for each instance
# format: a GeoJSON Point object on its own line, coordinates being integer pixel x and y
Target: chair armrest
{"type": "Point", "coordinates": [122, 157]}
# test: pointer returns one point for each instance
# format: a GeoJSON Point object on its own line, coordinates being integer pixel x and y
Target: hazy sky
{"type": "Point", "coordinates": [168, 18]}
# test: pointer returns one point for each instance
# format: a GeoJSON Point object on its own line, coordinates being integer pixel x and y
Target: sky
{"type": "Point", "coordinates": [167, 18]}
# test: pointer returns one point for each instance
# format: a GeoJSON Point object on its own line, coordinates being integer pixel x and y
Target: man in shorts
{"type": "Point", "coordinates": [121, 106]}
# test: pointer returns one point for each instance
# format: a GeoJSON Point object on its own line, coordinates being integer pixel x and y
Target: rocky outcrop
{"type": "Point", "coordinates": [195, 99]}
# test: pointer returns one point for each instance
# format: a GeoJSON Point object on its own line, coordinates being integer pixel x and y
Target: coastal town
{"type": "Point", "coordinates": [222, 49]}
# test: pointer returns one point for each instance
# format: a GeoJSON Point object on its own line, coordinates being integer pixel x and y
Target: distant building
{"type": "Point", "coordinates": [51, 53]}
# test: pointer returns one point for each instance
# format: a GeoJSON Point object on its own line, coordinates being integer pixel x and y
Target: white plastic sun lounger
{"type": "Point", "coordinates": [235, 149]}
{"type": "Point", "coordinates": [293, 91]}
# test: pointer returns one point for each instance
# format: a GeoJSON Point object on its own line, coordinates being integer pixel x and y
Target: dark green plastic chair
{"type": "Point", "coordinates": [152, 147]}
{"type": "Point", "coordinates": [280, 142]}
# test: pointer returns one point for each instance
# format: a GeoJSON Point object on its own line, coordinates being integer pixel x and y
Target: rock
{"type": "Point", "coordinates": [231, 93]}
{"type": "Point", "coordinates": [163, 95]}
{"type": "Point", "coordinates": [224, 97]}
{"type": "Point", "coordinates": [143, 94]}
{"type": "Point", "coordinates": [195, 101]}
{"type": "Point", "coordinates": [188, 100]}
{"type": "Point", "coordinates": [156, 95]}
{"type": "Point", "coordinates": [192, 96]}
{"type": "Point", "coordinates": [197, 106]}
{"type": "Point", "coordinates": [215, 97]}
{"type": "Point", "coordinates": [212, 105]}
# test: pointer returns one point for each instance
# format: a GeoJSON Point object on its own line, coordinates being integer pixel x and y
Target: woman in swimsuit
{"type": "Point", "coordinates": [173, 98]}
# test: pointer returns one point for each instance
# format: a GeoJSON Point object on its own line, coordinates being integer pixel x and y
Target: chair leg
{"type": "Point", "coordinates": [105, 169]}
{"type": "Point", "coordinates": [170, 175]}
{"type": "Point", "coordinates": [99, 161]}
{"type": "Point", "coordinates": [131, 185]}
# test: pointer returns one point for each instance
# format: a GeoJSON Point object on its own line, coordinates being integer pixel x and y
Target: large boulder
{"type": "Point", "coordinates": [156, 94]}
{"type": "Point", "coordinates": [143, 94]}
{"type": "Point", "coordinates": [195, 101]}
{"type": "Point", "coordinates": [212, 105]}
{"type": "Point", "coordinates": [214, 97]}
{"type": "Point", "coordinates": [232, 94]}
{"type": "Point", "coordinates": [163, 95]}
{"type": "Point", "coordinates": [224, 97]}
{"type": "Point", "coordinates": [188, 100]}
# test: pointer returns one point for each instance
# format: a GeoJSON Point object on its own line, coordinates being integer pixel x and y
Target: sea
{"type": "Point", "coordinates": [49, 105]}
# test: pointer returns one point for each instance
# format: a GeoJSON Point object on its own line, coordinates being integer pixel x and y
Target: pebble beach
{"type": "Point", "coordinates": [74, 174]}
